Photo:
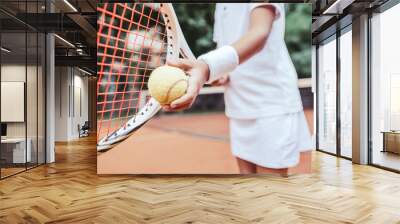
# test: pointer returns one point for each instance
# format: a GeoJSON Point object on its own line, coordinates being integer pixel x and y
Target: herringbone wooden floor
{"type": "Point", "coordinates": [69, 191]}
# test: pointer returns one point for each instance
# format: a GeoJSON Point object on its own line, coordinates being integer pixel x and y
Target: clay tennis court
{"type": "Point", "coordinates": [179, 144]}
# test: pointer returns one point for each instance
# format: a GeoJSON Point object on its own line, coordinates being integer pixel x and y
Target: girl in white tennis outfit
{"type": "Point", "coordinates": [268, 128]}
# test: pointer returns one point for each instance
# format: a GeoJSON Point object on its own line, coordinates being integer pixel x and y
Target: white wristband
{"type": "Point", "coordinates": [220, 61]}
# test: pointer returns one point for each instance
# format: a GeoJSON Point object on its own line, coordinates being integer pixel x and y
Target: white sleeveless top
{"type": "Point", "coordinates": [266, 84]}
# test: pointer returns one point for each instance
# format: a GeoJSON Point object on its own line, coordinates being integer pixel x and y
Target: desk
{"type": "Point", "coordinates": [391, 141]}
{"type": "Point", "coordinates": [13, 150]}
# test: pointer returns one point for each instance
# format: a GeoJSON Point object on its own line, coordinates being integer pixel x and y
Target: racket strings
{"type": "Point", "coordinates": [132, 41]}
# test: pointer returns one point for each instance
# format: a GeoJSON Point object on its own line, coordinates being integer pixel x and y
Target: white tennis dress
{"type": "Point", "coordinates": [267, 122]}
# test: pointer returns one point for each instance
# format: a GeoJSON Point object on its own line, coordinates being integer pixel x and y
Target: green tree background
{"type": "Point", "coordinates": [197, 21]}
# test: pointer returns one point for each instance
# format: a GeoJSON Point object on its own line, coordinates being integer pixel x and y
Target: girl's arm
{"type": "Point", "coordinates": [253, 41]}
{"type": "Point", "coordinates": [261, 19]}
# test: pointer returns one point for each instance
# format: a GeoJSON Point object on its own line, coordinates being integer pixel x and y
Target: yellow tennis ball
{"type": "Point", "coordinates": [167, 83]}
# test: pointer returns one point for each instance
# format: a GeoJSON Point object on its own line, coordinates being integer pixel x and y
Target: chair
{"type": "Point", "coordinates": [84, 130]}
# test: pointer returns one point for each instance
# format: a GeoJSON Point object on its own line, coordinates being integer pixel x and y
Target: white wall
{"type": "Point", "coordinates": [71, 102]}
{"type": "Point", "coordinates": [82, 82]}
{"type": "Point", "coordinates": [61, 103]}
{"type": "Point", "coordinates": [12, 73]}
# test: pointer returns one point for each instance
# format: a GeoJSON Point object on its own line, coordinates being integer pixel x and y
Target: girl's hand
{"type": "Point", "coordinates": [198, 74]}
{"type": "Point", "coordinates": [221, 81]}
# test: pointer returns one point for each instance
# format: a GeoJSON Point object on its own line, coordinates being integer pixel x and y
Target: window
{"type": "Point", "coordinates": [385, 89]}
{"type": "Point", "coordinates": [327, 96]}
{"type": "Point", "coordinates": [346, 93]}
{"type": "Point", "coordinates": [22, 76]}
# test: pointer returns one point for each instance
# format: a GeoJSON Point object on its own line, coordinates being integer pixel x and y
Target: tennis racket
{"type": "Point", "coordinates": [132, 40]}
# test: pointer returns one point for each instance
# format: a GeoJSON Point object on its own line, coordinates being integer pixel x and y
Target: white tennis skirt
{"type": "Point", "coordinates": [272, 142]}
